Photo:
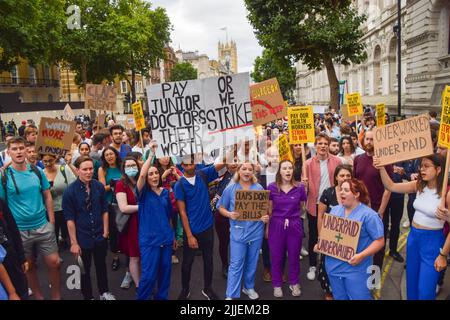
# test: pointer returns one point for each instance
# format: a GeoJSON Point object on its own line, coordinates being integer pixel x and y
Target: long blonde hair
{"type": "Point", "coordinates": [237, 178]}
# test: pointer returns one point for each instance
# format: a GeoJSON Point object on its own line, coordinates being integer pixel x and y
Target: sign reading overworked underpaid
{"type": "Point", "coordinates": [444, 129]}
{"type": "Point", "coordinates": [196, 116]}
{"type": "Point", "coordinates": [403, 140]}
{"type": "Point", "coordinates": [301, 125]}
{"type": "Point", "coordinates": [339, 237]}
{"type": "Point", "coordinates": [55, 136]}
{"type": "Point", "coordinates": [252, 204]}
{"type": "Point", "coordinates": [267, 102]}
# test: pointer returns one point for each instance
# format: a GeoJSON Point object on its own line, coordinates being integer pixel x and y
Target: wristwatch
{"type": "Point", "coordinates": [441, 252]}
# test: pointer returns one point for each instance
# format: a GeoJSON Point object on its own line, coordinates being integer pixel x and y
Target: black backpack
{"type": "Point", "coordinates": [5, 180]}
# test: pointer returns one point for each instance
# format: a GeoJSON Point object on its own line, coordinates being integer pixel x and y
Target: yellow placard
{"type": "Point", "coordinates": [444, 129]}
{"type": "Point", "coordinates": [354, 104]}
{"type": "Point", "coordinates": [284, 149]}
{"type": "Point", "coordinates": [381, 111]}
{"type": "Point", "coordinates": [301, 125]}
{"type": "Point", "coordinates": [138, 114]}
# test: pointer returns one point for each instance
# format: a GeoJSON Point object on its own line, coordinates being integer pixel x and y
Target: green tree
{"type": "Point", "coordinates": [270, 66]}
{"type": "Point", "coordinates": [184, 71]}
{"type": "Point", "coordinates": [319, 32]}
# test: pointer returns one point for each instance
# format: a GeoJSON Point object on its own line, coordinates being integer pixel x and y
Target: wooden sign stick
{"type": "Point", "coordinates": [142, 141]}
{"type": "Point", "coordinates": [303, 153]}
{"type": "Point", "coordinates": [445, 182]}
{"type": "Point", "coordinates": [356, 125]}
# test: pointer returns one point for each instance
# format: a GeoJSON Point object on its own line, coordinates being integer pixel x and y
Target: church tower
{"type": "Point", "coordinates": [228, 55]}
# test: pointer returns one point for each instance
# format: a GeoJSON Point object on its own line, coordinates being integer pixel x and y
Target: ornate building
{"type": "Point", "coordinates": [425, 58]}
{"type": "Point", "coordinates": [228, 55]}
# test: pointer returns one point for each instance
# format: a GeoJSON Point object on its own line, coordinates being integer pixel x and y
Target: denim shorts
{"type": "Point", "coordinates": [42, 239]}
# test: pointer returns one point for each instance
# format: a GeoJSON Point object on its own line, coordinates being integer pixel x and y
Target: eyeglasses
{"type": "Point", "coordinates": [422, 166]}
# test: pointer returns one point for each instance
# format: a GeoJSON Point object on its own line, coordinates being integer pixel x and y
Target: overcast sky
{"type": "Point", "coordinates": [197, 24]}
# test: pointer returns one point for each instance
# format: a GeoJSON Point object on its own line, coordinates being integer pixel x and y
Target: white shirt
{"type": "Point", "coordinates": [425, 205]}
{"type": "Point", "coordinates": [324, 178]}
{"type": "Point", "coordinates": [191, 180]}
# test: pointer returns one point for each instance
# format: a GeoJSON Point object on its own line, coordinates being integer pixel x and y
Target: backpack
{"type": "Point", "coordinates": [4, 172]}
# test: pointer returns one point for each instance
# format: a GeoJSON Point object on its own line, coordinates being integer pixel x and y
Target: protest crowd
{"type": "Point", "coordinates": [111, 191]}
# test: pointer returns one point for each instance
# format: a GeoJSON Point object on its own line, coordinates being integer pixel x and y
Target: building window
{"type": "Point", "coordinates": [123, 86]}
{"type": "Point", "coordinates": [15, 75]}
{"type": "Point", "coordinates": [32, 72]}
{"type": "Point", "coordinates": [47, 73]}
{"type": "Point", "coordinates": [138, 86]}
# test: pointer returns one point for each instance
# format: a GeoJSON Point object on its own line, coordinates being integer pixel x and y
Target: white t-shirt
{"type": "Point", "coordinates": [324, 178]}
{"type": "Point", "coordinates": [191, 180]}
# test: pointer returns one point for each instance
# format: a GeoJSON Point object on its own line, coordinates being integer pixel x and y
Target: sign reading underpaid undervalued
{"type": "Point", "coordinates": [339, 237]}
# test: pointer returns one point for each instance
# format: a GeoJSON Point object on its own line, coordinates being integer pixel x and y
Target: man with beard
{"type": "Point", "coordinates": [116, 132]}
{"type": "Point", "coordinates": [82, 132]}
{"type": "Point", "coordinates": [364, 170]}
{"type": "Point", "coordinates": [334, 146]}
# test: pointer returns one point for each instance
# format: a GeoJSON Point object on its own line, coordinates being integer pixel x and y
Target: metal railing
{"type": "Point", "coordinates": [28, 82]}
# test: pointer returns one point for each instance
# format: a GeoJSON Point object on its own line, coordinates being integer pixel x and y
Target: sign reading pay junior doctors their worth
{"type": "Point", "coordinates": [381, 110]}
{"type": "Point", "coordinates": [354, 104]}
{"type": "Point", "coordinates": [301, 125]}
{"type": "Point", "coordinates": [138, 115]}
{"type": "Point", "coordinates": [444, 129]}
{"type": "Point", "coordinates": [339, 237]}
{"type": "Point", "coordinates": [55, 136]}
{"type": "Point", "coordinates": [100, 97]}
{"type": "Point", "coordinates": [403, 140]}
{"type": "Point", "coordinates": [197, 116]}
{"type": "Point", "coordinates": [267, 102]}
{"type": "Point", "coordinates": [252, 204]}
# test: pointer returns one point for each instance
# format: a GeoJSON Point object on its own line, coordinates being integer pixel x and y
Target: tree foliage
{"type": "Point", "coordinates": [270, 66]}
{"type": "Point", "coordinates": [319, 33]}
{"type": "Point", "coordinates": [184, 71]}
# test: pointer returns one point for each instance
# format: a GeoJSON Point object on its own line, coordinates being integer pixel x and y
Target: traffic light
{"type": "Point", "coordinates": [127, 97]}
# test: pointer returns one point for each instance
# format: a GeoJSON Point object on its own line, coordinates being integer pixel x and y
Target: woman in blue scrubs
{"type": "Point", "coordinates": [348, 280]}
{"type": "Point", "coordinates": [156, 237]}
{"type": "Point", "coordinates": [245, 236]}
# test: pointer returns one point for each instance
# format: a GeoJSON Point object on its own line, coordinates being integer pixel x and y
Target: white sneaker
{"type": "Point", "coordinates": [406, 224]}
{"type": "Point", "coordinates": [228, 298]}
{"type": "Point", "coordinates": [175, 259]}
{"type": "Point", "coordinates": [304, 252]}
{"type": "Point", "coordinates": [277, 292]}
{"type": "Point", "coordinates": [301, 257]}
{"type": "Point", "coordinates": [252, 294]}
{"type": "Point", "coordinates": [311, 275]}
{"type": "Point", "coordinates": [438, 289]}
{"type": "Point", "coordinates": [127, 280]}
{"type": "Point", "coordinates": [295, 290]}
{"type": "Point", "coordinates": [30, 292]}
{"type": "Point", "coordinates": [107, 296]}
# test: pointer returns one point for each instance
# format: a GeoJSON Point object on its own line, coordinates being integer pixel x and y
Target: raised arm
{"type": "Point", "coordinates": [144, 172]}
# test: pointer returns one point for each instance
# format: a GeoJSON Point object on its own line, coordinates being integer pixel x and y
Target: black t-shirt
{"type": "Point", "coordinates": [329, 198]}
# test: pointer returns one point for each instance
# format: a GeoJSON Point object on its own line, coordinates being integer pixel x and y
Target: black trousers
{"type": "Point", "coordinates": [394, 212]}
{"type": "Point", "coordinates": [99, 255]}
{"type": "Point", "coordinates": [15, 272]}
{"type": "Point", "coordinates": [113, 232]}
{"type": "Point", "coordinates": [61, 225]}
{"type": "Point", "coordinates": [378, 258]}
{"type": "Point", "coordinates": [312, 241]}
{"type": "Point", "coordinates": [205, 241]}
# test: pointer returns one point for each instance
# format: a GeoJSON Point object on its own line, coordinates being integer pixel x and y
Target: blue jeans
{"type": "Point", "coordinates": [422, 250]}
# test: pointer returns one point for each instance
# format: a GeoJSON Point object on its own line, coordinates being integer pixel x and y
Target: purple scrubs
{"type": "Point", "coordinates": [285, 232]}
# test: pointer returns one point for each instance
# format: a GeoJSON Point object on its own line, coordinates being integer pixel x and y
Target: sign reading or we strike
{"type": "Point", "coordinates": [339, 237]}
{"type": "Point", "coordinates": [444, 129]}
{"type": "Point", "coordinates": [267, 102]}
{"type": "Point", "coordinates": [354, 104]}
{"type": "Point", "coordinates": [138, 115]}
{"type": "Point", "coordinates": [301, 125]}
{"type": "Point", "coordinates": [252, 204]}
{"type": "Point", "coordinates": [197, 116]}
{"type": "Point", "coordinates": [100, 97]}
{"type": "Point", "coordinates": [403, 140]}
{"type": "Point", "coordinates": [381, 111]}
{"type": "Point", "coordinates": [55, 136]}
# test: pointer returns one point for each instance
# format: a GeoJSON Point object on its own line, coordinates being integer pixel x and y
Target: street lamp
{"type": "Point", "coordinates": [398, 32]}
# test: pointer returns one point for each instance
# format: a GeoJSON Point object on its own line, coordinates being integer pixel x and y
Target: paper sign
{"type": "Point", "coordinates": [101, 118]}
{"type": "Point", "coordinates": [138, 115]}
{"type": "Point", "coordinates": [267, 102]}
{"type": "Point", "coordinates": [199, 116]}
{"type": "Point", "coordinates": [55, 136]}
{"type": "Point", "coordinates": [403, 140]}
{"type": "Point", "coordinates": [381, 110]}
{"type": "Point", "coordinates": [126, 121]}
{"type": "Point", "coordinates": [252, 204]}
{"type": "Point", "coordinates": [339, 237]}
{"type": "Point", "coordinates": [444, 129]}
{"type": "Point", "coordinates": [354, 104]}
{"type": "Point", "coordinates": [284, 149]}
{"type": "Point", "coordinates": [344, 114]}
{"type": "Point", "coordinates": [68, 114]}
{"type": "Point", "coordinates": [100, 97]}
{"type": "Point", "coordinates": [301, 125]}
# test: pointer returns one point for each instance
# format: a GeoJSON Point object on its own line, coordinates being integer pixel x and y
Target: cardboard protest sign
{"type": "Point", "coordinates": [101, 118]}
{"type": "Point", "coordinates": [403, 140]}
{"type": "Point", "coordinates": [126, 121]}
{"type": "Point", "coordinates": [339, 237]}
{"type": "Point", "coordinates": [344, 114]}
{"type": "Point", "coordinates": [55, 136]}
{"type": "Point", "coordinates": [267, 102]}
{"type": "Point", "coordinates": [284, 149]}
{"type": "Point", "coordinates": [354, 104]}
{"type": "Point", "coordinates": [381, 110]}
{"type": "Point", "coordinates": [68, 114]}
{"type": "Point", "coordinates": [252, 204]}
{"type": "Point", "coordinates": [198, 116]}
{"type": "Point", "coordinates": [444, 129]}
{"type": "Point", "coordinates": [100, 97]}
{"type": "Point", "coordinates": [301, 125]}
{"type": "Point", "coordinates": [138, 115]}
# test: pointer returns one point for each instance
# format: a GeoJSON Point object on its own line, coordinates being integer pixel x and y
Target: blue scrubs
{"type": "Point", "coordinates": [245, 241]}
{"type": "Point", "coordinates": [3, 293]}
{"type": "Point", "coordinates": [350, 282]}
{"type": "Point", "coordinates": [155, 243]}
